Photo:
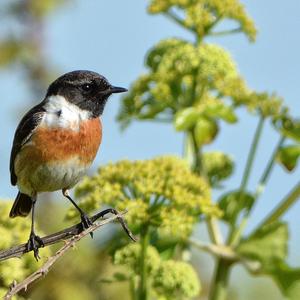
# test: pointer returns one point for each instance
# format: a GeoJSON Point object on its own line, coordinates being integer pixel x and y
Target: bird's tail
{"type": "Point", "coordinates": [21, 207]}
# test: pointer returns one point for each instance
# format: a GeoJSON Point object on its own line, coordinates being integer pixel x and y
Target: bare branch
{"type": "Point", "coordinates": [18, 251]}
{"type": "Point", "coordinates": [17, 287]}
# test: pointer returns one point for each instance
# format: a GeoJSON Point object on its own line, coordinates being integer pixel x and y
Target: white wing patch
{"type": "Point", "coordinates": [61, 113]}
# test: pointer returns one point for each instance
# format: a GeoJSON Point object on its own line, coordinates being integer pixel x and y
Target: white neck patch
{"type": "Point", "coordinates": [61, 113]}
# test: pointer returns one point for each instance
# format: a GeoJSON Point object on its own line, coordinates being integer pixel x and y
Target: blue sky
{"type": "Point", "coordinates": [112, 37]}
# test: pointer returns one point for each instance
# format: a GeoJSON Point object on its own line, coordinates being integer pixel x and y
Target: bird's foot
{"type": "Point", "coordinates": [34, 243]}
{"type": "Point", "coordinates": [86, 222]}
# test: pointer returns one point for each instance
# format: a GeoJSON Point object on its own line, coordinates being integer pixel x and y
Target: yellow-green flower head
{"type": "Point", "coordinates": [169, 217]}
{"type": "Point", "coordinates": [288, 126]}
{"type": "Point", "coordinates": [267, 105]}
{"type": "Point", "coordinates": [216, 63]}
{"type": "Point", "coordinates": [180, 74]}
{"type": "Point", "coordinates": [130, 256]}
{"type": "Point", "coordinates": [176, 280]}
{"type": "Point", "coordinates": [171, 59]}
{"type": "Point", "coordinates": [202, 15]}
{"type": "Point", "coordinates": [138, 211]}
{"type": "Point", "coordinates": [15, 232]}
{"type": "Point", "coordinates": [236, 89]}
{"type": "Point", "coordinates": [168, 279]}
{"type": "Point", "coordinates": [161, 192]}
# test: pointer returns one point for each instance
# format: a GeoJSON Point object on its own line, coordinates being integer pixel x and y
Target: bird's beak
{"type": "Point", "coordinates": [116, 89]}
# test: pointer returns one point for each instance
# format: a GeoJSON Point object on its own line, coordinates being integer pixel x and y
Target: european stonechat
{"type": "Point", "coordinates": [56, 142]}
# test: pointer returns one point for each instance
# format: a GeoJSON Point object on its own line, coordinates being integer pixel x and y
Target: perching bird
{"type": "Point", "coordinates": [56, 142]}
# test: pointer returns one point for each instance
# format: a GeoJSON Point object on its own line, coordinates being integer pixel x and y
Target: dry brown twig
{"type": "Point", "coordinates": [18, 251]}
{"type": "Point", "coordinates": [76, 235]}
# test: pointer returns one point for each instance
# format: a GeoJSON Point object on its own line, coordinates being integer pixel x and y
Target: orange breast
{"type": "Point", "coordinates": [55, 144]}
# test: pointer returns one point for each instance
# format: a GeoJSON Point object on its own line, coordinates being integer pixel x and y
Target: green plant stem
{"type": "Point", "coordinates": [212, 25]}
{"type": "Point", "coordinates": [221, 251]}
{"type": "Point", "coordinates": [143, 287]}
{"type": "Point", "coordinates": [220, 283]}
{"type": "Point", "coordinates": [267, 172]}
{"type": "Point", "coordinates": [172, 16]}
{"type": "Point", "coordinates": [250, 159]}
{"type": "Point", "coordinates": [212, 225]}
{"type": "Point", "coordinates": [214, 231]}
{"type": "Point", "coordinates": [186, 148]}
{"type": "Point", "coordinates": [225, 32]}
{"type": "Point", "coordinates": [132, 288]}
{"type": "Point", "coordinates": [236, 231]}
{"type": "Point", "coordinates": [222, 270]}
{"type": "Point", "coordinates": [283, 206]}
{"type": "Point", "coordinates": [197, 151]}
{"type": "Point", "coordinates": [260, 187]}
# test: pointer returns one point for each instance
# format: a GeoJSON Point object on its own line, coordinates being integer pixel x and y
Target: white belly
{"type": "Point", "coordinates": [52, 177]}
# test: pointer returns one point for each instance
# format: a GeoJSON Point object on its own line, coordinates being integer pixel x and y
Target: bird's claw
{"type": "Point", "coordinates": [34, 243]}
{"type": "Point", "coordinates": [86, 222]}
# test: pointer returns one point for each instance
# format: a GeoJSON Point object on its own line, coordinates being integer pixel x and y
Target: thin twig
{"type": "Point", "coordinates": [18, 251]}
{"type": "Point", "coordinates": [23, 285]}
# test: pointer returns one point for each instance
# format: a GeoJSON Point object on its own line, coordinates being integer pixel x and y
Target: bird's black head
{"type": "Point", "coordinates": [86, 89]}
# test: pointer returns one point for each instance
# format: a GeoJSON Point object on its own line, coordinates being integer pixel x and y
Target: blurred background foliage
{"type": "Point", "coordinates": [196, 86]}
{"type": "Point", "coordinates": [13, 232]}
{"type": "Point", "coordinates": [23, 44]}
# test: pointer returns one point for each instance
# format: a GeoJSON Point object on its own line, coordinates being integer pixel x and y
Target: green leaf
{"type": "Point", "coordinates": [205, 131]}
{"type": "Point", "coordinates": [268, 245]}
{"type": "Point", "coordinates": [288, 156]}
{"type": "Point", "coordinates": [221, 111]}
{"type": "Point", "coordinates": [293, 292]}
{"type": "Point", "coordinates": [186, 118]}
{"type": "Point", "coordinates": [288, 279]}
{"type": "Point", "coordinates": [233, 203]}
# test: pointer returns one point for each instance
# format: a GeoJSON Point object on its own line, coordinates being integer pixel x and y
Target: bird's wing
{"type": "Point", "coordinates": [23, 134]}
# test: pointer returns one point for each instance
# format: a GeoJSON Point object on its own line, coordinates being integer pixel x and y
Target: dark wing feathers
{"type": "Point", "coordinates": [23, 134]}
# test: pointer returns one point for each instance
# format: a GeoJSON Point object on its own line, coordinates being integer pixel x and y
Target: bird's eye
{"type": "Point", "coordinates": [87, 87]}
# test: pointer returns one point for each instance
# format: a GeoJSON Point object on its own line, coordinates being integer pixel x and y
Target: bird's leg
{"type": "Point", "coordinates": [85, 220]}
{"type": "Point", "coordinates": [34, 241]}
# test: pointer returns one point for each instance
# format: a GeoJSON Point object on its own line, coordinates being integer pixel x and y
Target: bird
{"type": "Point", "coordinates": [56, 142]}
